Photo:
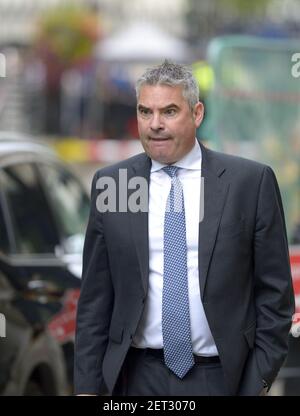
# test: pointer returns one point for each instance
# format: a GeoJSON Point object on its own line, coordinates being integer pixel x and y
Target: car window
{"type": "Point", "coordinates": [4, 243]}
{"type": "Point", "coordinates": [33, 226]}
{"type": "Point", "coordinates": [70, 204]}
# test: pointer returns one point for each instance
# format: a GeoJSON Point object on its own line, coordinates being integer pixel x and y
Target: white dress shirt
{"type": "Point", "coordinates": [149, 331]}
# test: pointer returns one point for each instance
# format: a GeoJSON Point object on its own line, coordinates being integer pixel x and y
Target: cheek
{"type": "Point", "coordinates": [141, 128]}
{"type": "Point", "coordinates": [178, 131]}
{"type": "Point", "coordinates": [143, 125]}
{"type": "Point", "coordinates": [184, 129]}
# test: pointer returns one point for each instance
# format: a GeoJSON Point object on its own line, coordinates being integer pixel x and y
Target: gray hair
{"type": "Point", "coordinates": [170, 73]}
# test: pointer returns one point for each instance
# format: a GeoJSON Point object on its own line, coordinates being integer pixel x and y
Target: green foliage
{"type": "Point", "coordinates": [68, 33]}
{"type": "Point", "coordinates": [246, 7]}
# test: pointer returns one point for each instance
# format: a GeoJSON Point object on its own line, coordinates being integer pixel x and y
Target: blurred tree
{"type": "Point", "coordinates": [248, 8]}
{"type": "Point", "coordinates": [65, 39]}
{"type": "Point", "coordinates": [69, 33]}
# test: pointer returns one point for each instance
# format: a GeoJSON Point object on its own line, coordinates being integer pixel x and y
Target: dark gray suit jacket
{"type": "Point", "coordinates": [244, 276]}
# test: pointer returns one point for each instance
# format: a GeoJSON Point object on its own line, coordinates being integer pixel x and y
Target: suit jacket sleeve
{"type": "Point", "coordinates": [273, 291]}
{"type": "Point", "coordinates": [94, 307]}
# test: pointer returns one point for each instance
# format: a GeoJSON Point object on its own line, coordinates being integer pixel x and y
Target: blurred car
{"type": "Point", "coordinates": [43, 216]}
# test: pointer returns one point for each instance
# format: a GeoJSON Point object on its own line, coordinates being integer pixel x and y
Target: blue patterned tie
{"type": "Point", "coordinates": [178, 352]}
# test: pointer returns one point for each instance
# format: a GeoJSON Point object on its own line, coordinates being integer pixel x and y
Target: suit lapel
{"type": "Point", "coordinates": [139, 223]}
{"type": "Point", "coordinates": [215, 192]}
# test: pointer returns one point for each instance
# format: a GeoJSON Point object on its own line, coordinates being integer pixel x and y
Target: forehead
{"type": "Point", "coordinates": [160, 95]}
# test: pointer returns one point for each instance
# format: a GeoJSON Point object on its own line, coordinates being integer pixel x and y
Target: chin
{"type": "Point", "coordinates": [166, 161]}
{"type": "Point", "coordinates": [161, 158]}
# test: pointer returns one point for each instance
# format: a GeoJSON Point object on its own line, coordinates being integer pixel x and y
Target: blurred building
{"type": "Point", "coordinates": [18, 17]}
{"type": "Point", "coordinates": [191, 19]}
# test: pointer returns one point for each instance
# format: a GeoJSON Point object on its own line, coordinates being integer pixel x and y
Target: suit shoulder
{"type": "Point", "coordinates": [233, 162]}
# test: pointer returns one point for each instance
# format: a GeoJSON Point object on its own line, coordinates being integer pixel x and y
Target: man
{"type": "Point", "coordinates": [192, 296]}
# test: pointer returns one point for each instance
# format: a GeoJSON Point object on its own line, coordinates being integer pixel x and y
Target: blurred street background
{"type": "Point", "coordinates": [67, 75]}
{"type": "Point", "coordinates": [71, 68]}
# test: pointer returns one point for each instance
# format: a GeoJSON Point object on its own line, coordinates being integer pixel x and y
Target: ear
{"type": "Point", "coordinates": [198, 113]}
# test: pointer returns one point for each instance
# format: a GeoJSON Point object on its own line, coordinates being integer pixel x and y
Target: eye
{"type": "Point", "coordinates": [170, 112]}
{"type": "Point", "coordinates": [144, 111]}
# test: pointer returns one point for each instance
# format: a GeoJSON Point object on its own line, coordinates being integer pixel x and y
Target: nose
{"type": "Point", "coordinates": [156, 122]}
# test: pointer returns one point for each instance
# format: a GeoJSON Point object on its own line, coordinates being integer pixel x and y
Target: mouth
{"type": "Point", "coordinates": [159, 139]}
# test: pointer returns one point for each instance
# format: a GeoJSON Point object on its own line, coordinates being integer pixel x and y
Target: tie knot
{"type": "Point", "coordinates": [171, 170]}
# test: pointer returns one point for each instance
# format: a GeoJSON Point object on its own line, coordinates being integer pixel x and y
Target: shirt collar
{"type": "Point", "coordinates": [190, 161]}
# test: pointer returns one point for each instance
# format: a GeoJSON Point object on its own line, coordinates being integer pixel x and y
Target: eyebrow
{"type": "Point", "coordinates": [172, 105]}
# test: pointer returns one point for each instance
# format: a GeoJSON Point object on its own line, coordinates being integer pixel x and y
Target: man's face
{"type": "Point", "coordinates": [166, 124]}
